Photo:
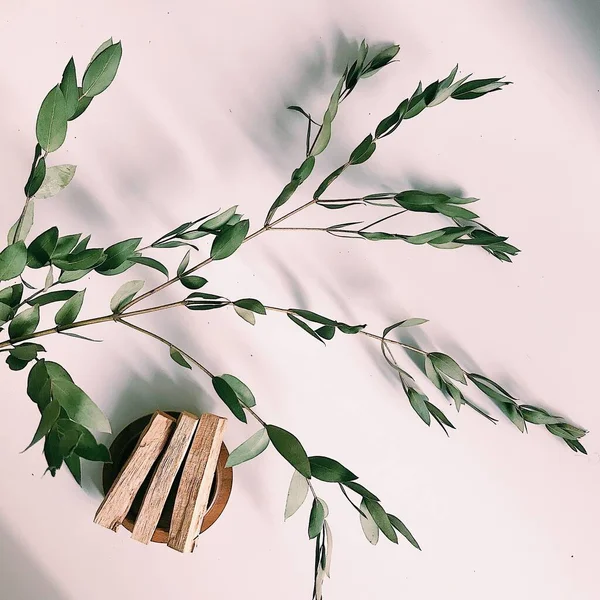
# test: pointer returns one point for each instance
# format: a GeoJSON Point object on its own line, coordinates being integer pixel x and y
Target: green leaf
{"type": "Point", "coordinates": [25, 323]}
{"type": "Point", "coordinates": [229, 397]}
{"type": "Point", "coordinates": [242, 391]}
{"type": "Point", "coordinates": [456, 212]}
{"type": "Point", "coordinates": [382, 58]}
{"type": "Point", "coordinates": [73, 463]}
{"type": "Point", "coordinates": [304, 326]}
{"type": "Point", "coordinates": [41, 249]}
{"type": "Point", "coordinates": [229, 240]}
{"type": "Point", "coordinates": [538, 416]}
{"type": "Point", "coordinates": [324, 135]}
{"type": "Point", "coordinates": [479, 380]}
{"type": "Point", "coordinates": [448, 366]}
{"type": "Point", "coordinates": [326, 332]}
{"type": "Point", "coordinates": [432, 374]}
{"type": "Point", "coordinates": [26, 224]}
{"type": "Point", "coordinates": [439, 416]}
{"type": "Point", "coordinates": [363, 151]}
{"type": "Point", "coordinates": [566, 431]}
{"type": "Point", "coordinates": [251, 304]}
{"type": "Point", "coordinates": [78, 405]}
{"type": "Point", "coordinates": [311, 316]}
{"type": "Point", "coordinates": [16, 364]}
{"type": "Point", "coordinates": [327, 469]}
{"type": "Point", "coordinates": [302, 173]}
{"type": "Point", "coordinates": [247, 315]}
{"type": "Point", "coordinates": [52, 452]}
{"type": "Point", "coordinates": [478, 87]}
{"type": "Point", "coordinates": [5, 313]}
{"type": "Point", "coordinates": [27, 351]}
{"type": "Point", "coordinates": [82, 103]}
{"type": "Point", "coordinates": [125, 294]}
{"type": "Point", "coordinates": [38, 384]}
{"type": "Point", "coordinates": [183, 265]}
{"type": "Point", "coordinates": [103, 46]}
{"type": "Point", "coordinates": [12, 295]}
{"type": "Point", "coordinates": [70, 276]}
{"type": "Point", "coordinates": [102, 70]}
{"type": "Point", "coordinates": [68, 87]}
{"type": "Point", "coordinates": [297, 493]}
{"type": "Point", "coordinates": [69, 311]}
{"type": "Point", "coordinates": [290, 448]}
{"type": "Point", "coordinates": [37, 174]}
{"type": "Point", "coordinates": [80, 261]}
{"type": "Point", "coordinates": [151, 263]}
{"type": "Point", "coordinates": [361, 490]}
{"type": "Point", "coordinates": [51, 126]}
{"type": "Point", "coordinates": [117, 254]}
{"type": "Point", "coordinates": [82, 245]}
{"type": "Point", "coordinates": [178, 358]}
{"type": "Point", "coordinates": [220, 220]}
{"type": "Point", "coordinates": [368, 524]}
{"type": "Point", "coordinates": [193, 282]}
{"type": "Point", "coordinates": [380, 517]}
{"type": "Point", "coordinates": [316, 519]}
{"type": "Point", "coordinates": [12, 261]}
{"type": "Point", "coordinates": [401, 528]}
{"type": "Point", "coordinates": [56, 179]}
{"type": "Point", "coordinates": [250, 449]}
{"type": "Point", "coordinates": [65, 244]}
{"type": "Point", "coordinates": [87, 447]}
{"type": "Point", "coordinates": [49, 417]}
{"type": "Point", "coordinates": [417, 401]}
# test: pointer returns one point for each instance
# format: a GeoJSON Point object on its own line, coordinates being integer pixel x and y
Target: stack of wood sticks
{"type": "Point", "coordinates": [167, 443]}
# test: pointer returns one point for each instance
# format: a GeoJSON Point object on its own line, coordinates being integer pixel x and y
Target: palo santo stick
{"type": "Point", "coordinates": [118, 501]}
{"type": "Point", "coordinates": [163, 477]}
{"type": "Point", "coordinates": [196, 481]}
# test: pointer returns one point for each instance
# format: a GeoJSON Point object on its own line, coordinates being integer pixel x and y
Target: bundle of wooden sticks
{"type": "Point", "coordinates": [167, 443]}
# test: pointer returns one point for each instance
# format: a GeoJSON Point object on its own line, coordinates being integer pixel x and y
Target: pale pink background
{"type": "Point", "coordinates": [196, 120]}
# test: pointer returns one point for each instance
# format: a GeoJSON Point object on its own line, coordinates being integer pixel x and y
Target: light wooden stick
{"type": "Point", "coordinates": [118, 500]}
{"type": "Point", "coordinates": [196, 481]}
{"type": "Point", "coordinates": [163, 477]}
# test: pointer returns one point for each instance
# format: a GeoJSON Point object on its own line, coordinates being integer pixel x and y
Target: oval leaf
{"type": "Point", "coordinates": [178, 358]}
{"type": "Point", "coordinates": [242, 391]}
{"type": "Point", "coordinates": [327, 469]}
{"type": "Point", "coordinates": [290, 448]}
{"type": "Point", "coordinates": [401, 528]}
{"type": "Point", "coordinates": [296, 495]}
{"type": "Point", "coordinates": [25, 323]}
{"type": "Point", "coordinates": [448, 366]}
{"type": "Point", "coordinates": [69, 311]}
{"type": "Point", "coordinates": [368, 525]}
{"type": "Point", "coordinates": [102, 70]}
{"type": "Point", "coordinates": [51, 126]}
{"type": "Point", "coordinates": [12, 261]}
{"type": "Point", "coordinates": [125, 294]}
{"type": "Point", "coordinates": [229, 240]}
{"type": "Point", "coordinates": [229, 397]}
{"type": "Point", "coordinates": [316, 519]}
{"type": "Point", "coordinates": [57, 178]}
{"type": "Point", "coordinates": [380, 517]}
{"type": "Point", "coordinates": [250, 449]}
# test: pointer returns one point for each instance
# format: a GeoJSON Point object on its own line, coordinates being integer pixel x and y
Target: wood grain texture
{"type": "Point", "coordinates": [119, 498]}
{"type": "Point", "coordinates": [163, 478]}
{"type": "Point", "coordinates": [196, 481]}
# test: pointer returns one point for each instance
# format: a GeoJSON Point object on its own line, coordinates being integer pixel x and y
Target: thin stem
{"type": "Point", "coordinates": [166, 342]}
{"type": "Point", "coordinates": [301, 229]}
{"type": "Point", "coordinates": [86, 322]}
{"type": "Point", "coordinates": [400, 212]}
{"type": "Point", "coordinates": [367, 333]}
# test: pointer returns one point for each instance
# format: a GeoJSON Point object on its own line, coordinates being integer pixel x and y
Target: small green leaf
{"type": "Point", "coordinates": [251, 304]}
{"type": "Point", "coordinates": [50, 297]}
{"type": "Point", "coordinates": [247, 315]}
{"type": "Point", "coordinates": [125, 294]}
{"type": "Point", "coordinates": [229, 397]}
{"type": "Point", "coordinates": [316, 519]}
{"type": "Point", "coordinates": [73, 463]}
{"type": "Point", "coordinates": [327, 469]}
{"type": "Point", "coordinates": [448, 366]}
{"type": "Point", "coordinates": [304, 326]}
{"type": "Point", "coordinates": [12, 261]}
{"type": "Point", "coordinates": [56, 179]}
{"type": "Point", "coordinates": [16, 364]}
{"type": "Point", "coordinates": [417, 401]}
{"type": "Point", "coordinates": [242, 391]}
{"type": "Point", "coordinates": [37, 173]}
{"type": "Point", "coordinates": [68, 87]}
{"type": "Point", "coordinates": [27, 351]}
{"type": "Point", "coordinates": [52, 452]}
{"type": "Point", "coordinates": [26, 224]}
{"type": "Point", "coordinates": [538, 416]}
{"type": "Point", "coordinates": [12, 295]}
{"type": "Point", "coordinates": [82, 103]}
{"type": "Point", "coordinates": [102, 70]}
{"type": "Point", "coordinates": [229, 240]}
{"type": "Point", "coordinates": [403, 530]}
{"type": "Point", "coordinates": [25, 323]}
{"type": "Point", "coordinates": [193, 282]}
{"type": "Point", "coordinates": [326, 332]}
{"type": "Point", "coordinates": [322, 140]}
{"type": "Point", "coordinates": [87, 447]}
{"type": "Point", "coordinates": [51, 126]}
{"type": "Point", "coordinates": [432, 374]}
{"type": "Point", "coordinates": [42, 248]}
{"type": "Point", "coordinates": [456, 212]}
{"type": "Point", "coordinates": [65, 245]}
{"type": "Point", "coordinates": [178, 358]}
{"type": "Point", "coordinates": [311, 316]}
{"type": "Point", "coordinates": [361, 490]}
{"type": "Point", "coordinates": [78, 405]}
{"type": "Point", "coordinates": [220, 220]}
{"type": "Point", "coordinates": [6, 313]}
{"type": "Point", "coordinates": [380, 517]}
{"type": "Point", "coordinates": [69, 311]}
{"type": "Point", "coordinates": [368, 524]}
{"type": "Point", "coordinates": [183, 265]}
{"type": "Point", "coordinates": [151, 263]}
{"type": "Point", "coordinates": [80, 261]}
{"type": "Point", "coordinates": [49, 417]}
{"type": "Point", "coordinates": [290, 448]}
{"type": "Point", "coordinates": [250, 449]}
{"type": "Point", "coordinates": [118, 253]}
{"type": "Point", "coordinates": [297, 493]}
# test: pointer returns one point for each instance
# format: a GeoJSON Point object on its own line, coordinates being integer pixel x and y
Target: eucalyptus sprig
{"type": "Point", "coordinates": [68, 415]}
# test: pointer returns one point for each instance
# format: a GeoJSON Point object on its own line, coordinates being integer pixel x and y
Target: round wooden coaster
{"type": "Point", "coordinates": [120, 450]}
